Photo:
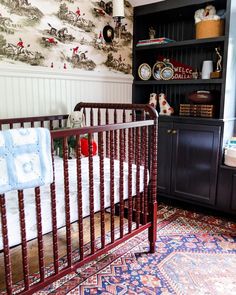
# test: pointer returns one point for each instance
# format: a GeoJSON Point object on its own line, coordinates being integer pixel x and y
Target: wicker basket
{"type": "Point", "coordinates": [209, 28]}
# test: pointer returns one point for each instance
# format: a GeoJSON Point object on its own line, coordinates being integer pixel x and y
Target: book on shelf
{"type": "Point", "coordinates": [160, 40]}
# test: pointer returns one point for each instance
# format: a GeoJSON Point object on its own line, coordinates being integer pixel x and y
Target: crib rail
{"type": "Point", "coordinates": [127, 134]}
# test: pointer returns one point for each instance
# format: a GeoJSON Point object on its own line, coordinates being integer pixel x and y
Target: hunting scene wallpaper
{"type": "Point", "coordinates": [65, 34]}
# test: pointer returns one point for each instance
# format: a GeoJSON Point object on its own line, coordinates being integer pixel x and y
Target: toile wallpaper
{"type": "Point", "coordinates": [65, 34]}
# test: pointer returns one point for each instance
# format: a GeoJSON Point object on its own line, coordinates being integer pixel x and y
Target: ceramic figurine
{"type": "Point", "coordinates": [165, 108]}
{"type": "Point", "coordinates": [153, 100]}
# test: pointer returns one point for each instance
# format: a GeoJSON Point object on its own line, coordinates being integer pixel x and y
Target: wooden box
{"type": "Point", "coordinates": [197, 110]}
{"type": "Point", "coordinates": [209, 28]}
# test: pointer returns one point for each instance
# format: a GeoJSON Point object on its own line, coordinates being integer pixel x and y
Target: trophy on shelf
{"type": "Point", "coordinates": [217, 74]}
{"type": "Point", "coordinates": [152, 33]}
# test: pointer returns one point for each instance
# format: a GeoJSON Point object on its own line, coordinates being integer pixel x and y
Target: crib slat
{"type": "Point", "coordinates": [67, 201]}
{"type": "Point", "coordinates": [102, 205]}
{"type": "Point", "coordinates": [107, 135]}
{"type": "Point", "coordinates": [91, 117]}
{"type": "Point", "coordinates": [23, 239]}
{"type": "Point", "coordinates": [32, 124]}
{"type": "Point", "coordinates": [134, 133]}
{"type": "Point", "coordinates": [130, 161]}
{"type": "Point", "coordinates": [112, 202]}
{"type": "Point", "coordinates": [122, 149]}
{"type": "Point", "coordinates": [85, 119]}
{"type": "Point", "coordinates": [91, 195]}
{"type": "Point", "coordinates": [54, 218]}
{"type": "Point", "coordinates": [99, 116]}
{"type": "Point", "coordinates": [145, 193]}
{"type": "Point", "coordinates": [116, 135]}
{"type": "Point", "coordinates": [6, 250]}
{"type": "Point", "coordinates": [137, 177]}
{"type": "Point", "coordinates": [51, 125]}
{"type": "Point", "coordinates": [124, 121]}
{"type": "Point", "coordinates": [40, 233]}
{"type": "Point", "coordinates": [80, 201]}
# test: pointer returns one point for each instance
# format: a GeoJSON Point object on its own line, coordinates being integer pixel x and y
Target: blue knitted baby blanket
{"type": "Point", "coordinates": [25, 158]}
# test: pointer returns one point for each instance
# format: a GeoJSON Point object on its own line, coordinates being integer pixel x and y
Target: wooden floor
{"type": "Point", "coordinates": [16, 256]}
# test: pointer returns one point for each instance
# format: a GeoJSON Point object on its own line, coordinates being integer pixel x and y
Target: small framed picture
{"type": "Point", "coordinates": [157, 68]}
{"type": "Point", "coordinates": [167, 73]}
{"type": "Point", "coordinates": [144, 71]}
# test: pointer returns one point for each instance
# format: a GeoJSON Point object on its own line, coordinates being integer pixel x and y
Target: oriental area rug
{"type": "Point", "coordinates": [195, 254]}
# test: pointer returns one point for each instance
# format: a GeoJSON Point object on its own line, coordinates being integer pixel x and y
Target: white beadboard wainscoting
{"type": "Point", "coordinates": [37, 92]}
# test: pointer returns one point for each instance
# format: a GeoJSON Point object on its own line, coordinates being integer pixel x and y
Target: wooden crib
{"type": "Point", "coordinates": [126, 136]}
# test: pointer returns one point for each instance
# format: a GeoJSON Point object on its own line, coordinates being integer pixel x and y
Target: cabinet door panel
{"type": "Point", "coordinates": [164, 156]}
{"type": "Point", "coordinates": [195, 161]}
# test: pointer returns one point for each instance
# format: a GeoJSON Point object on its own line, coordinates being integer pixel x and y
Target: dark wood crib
{"type": "Point", "coordinates": [126, 137]}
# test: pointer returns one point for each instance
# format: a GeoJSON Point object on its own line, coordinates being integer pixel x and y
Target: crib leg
{"type": "Point", "coordinates": [152, 232]}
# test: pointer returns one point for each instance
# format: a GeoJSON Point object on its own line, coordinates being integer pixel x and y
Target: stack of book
{"type": "Point", "coordinates": [161, 40]}
{"type": "Point", "coordinates": [200, 110]}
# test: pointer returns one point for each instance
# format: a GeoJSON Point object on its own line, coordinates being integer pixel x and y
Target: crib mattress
{"type": "Point", "coordinates": [29, 197]}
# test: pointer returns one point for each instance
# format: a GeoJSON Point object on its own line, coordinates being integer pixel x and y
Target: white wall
{"type": "Point", "coordinates": [143, 2]}
{"type": "Point", "coordinates": [34, 91]}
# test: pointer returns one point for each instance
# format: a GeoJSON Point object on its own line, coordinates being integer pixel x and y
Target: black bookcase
{"type": "Point", "coordinates": [190, 148]}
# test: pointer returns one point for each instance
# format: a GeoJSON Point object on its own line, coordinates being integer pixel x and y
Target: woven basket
{"type": "Point", "coordinates": [209, 28]}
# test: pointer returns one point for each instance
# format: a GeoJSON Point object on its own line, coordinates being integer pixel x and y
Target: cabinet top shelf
{"type": "Point", "coordinates": [187, 43]}
{"type": "Point", "coordinates": [187, 81]}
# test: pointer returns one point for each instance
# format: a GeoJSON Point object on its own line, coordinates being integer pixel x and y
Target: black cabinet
{"type": "Point", "coordinates": [188, 160]}
{"type": "Point", "coordinates": [226, 193]}
{"type": "Point", "coordinates": [190, 149]}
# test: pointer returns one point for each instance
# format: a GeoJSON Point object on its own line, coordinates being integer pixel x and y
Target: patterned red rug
{"type": "Point", "coordinates": [195, 254]}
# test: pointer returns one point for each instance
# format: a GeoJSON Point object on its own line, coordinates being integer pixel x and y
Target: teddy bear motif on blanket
{"type": "Point", "coordinates": [165, 108]}
{"type": "Point", "coordinates": [209, 13]}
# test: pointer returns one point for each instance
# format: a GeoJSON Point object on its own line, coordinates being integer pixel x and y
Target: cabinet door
{"type": "Point", "coordinates": [164, 156]}
{"type": "Point", "coordinates": [195, 162]}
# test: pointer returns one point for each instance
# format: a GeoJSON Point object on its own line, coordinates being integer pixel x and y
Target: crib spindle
{"type": "Point", "coordinates": [130, 161]}
{"type": "Point", "coordinates": [116, 135]}
{"type": "Point", "coordinates": [54, 218]}
{"type": "Point", "coordinates": [80, 201]}
{"type": "Point", "coordinates": [67, 201]}
{"type": "Point", "coordinates": [153, 200]}
{"type": "Point", "coordinates": [102, 205]}
{"type": "Point", "coordinates": [133, 115]}
{"type": "Point", "coordinates": [40, 233]}
{"type": "Point", "coordinates": [122, 150]}
{"type": "Point", "coordinates": [112, 201]}
{"type": "Point", "coordinates": [6, 250]}
{"type": "Point", "coordinates": [91, 117]}
{"type": "Point", "coordinates": [23, 239]}
{"type": "Point", "coordinates": [107, 135]}
{"type": "Point", "coordinates": [138, 139]}
{"type": "Point", "coordinates": [145, 192]}
{"type": "Point", "coordinates": [91, 195]}
{"type": "Point", "coordinates": [99, 116]}
{"type": "Point", "coordinates": [124, 120]}
{"type": "Point", "coordinates": [85, 119]}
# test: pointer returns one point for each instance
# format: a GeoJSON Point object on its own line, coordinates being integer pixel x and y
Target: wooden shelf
{"type": "Point", "coordinates": [163, 82]}
{"type": "Point", "coordinates": [186, 43]}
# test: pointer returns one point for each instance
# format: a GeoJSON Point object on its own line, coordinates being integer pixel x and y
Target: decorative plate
{"type": "Point", "coordinates": [167, 73]}
{"type": "Point", "coordinates": [144, 71]}
{"type": "Point", "coordinates": [108, 33]}
{"type": "Point", "coordinates": [157, 68]}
